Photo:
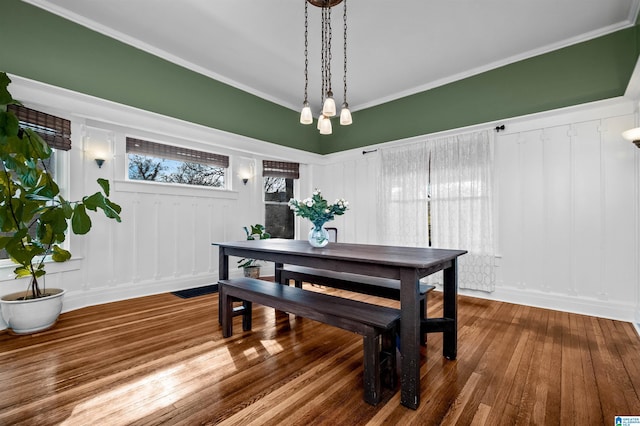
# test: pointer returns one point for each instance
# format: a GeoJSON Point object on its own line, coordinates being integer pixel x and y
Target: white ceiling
{"type": "Point", "coordinates": [395, 48]}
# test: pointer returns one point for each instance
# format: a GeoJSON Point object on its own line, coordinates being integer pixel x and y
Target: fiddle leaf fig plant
{"type": "Point", "coordinates": [34, 217]}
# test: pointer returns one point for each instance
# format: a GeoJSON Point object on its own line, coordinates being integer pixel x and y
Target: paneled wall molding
{"type": "Point", "coordinates": [567, 208]}
{"type": "Point", "coordinates": [173, 189]}
{"type": "Point", "coordinates": [574, 114]}
{"type": "Point", "coordinates": [100, 112]}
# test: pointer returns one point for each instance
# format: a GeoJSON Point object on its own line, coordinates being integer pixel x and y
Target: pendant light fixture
{"type": "Point", "coordinates": [327, 101]}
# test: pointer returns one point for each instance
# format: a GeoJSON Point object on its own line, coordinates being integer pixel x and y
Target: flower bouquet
{"type": "Point", "coordinates": [318, 211]}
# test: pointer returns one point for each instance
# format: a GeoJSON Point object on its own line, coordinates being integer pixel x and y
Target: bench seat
{"type": "Point", "coordinates": [373, 286]}
{"type": "Point", "coordinates": [377, 324]}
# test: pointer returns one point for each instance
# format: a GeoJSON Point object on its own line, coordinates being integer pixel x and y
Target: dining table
{"type": "Point", "coordinates": [405, 264]}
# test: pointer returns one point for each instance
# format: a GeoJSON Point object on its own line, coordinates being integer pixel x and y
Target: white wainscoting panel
{"type": "Point", "coordinates": [566, 210]}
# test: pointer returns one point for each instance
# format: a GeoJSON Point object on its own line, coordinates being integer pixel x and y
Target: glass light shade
{"type": "Point", "coordinates": [632, 134]}
{"type": "Point", "coordinates": [329, 107]}
{"type": "Point", "coordinates": [325, 126]}
{"type": "Point", "coordinates": [320, 119]}
{"type": "Point", "coordinates": [345, 116]}
{"type": "Point", "coordinates": [305, 115]}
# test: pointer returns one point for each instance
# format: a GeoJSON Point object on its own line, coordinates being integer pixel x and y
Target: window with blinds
{"type": "Point", "coordinates": [152, 161]}
{"type": "Point", "coordinates": [278, 179]}
{"type": "Point", "coordinates": [56, 132]}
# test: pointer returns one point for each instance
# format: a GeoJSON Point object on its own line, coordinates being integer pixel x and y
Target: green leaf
{"type": "Point", "coordinates": [9, 124]}
{"type": "Point", "coordinates": [60, 254]}
{"type": "Point", "coordinates": [22, 272]}
{"type": "Point", "coordinates": [104, 184]}
{"type": "Point", "coordinates": [44, 232]}
{"type": "Point", "coordinates": [66, 207]}
{"type": "Point", "coordinates": [80, 221]}
{"type": "Point", "coordinates": [112, 210]}
{"type": "Point", "coordinates": [94, 201]}
{"type": "Point", "coordinates": [4, 241]}
{"type": "Point", "coordinates": [38, 148]}
{"type": "Point", "coordinates": [5, 96]}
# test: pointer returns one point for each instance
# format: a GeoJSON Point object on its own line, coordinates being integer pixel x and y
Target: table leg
{"type": "Point", "coordinates": [410, 338]}
{"type": "Point", "coordinates": [278, 273]}
{"type": "Point", "coordinates": [223, 274]}
{"type": "Point", "coordinates": [450, 308]}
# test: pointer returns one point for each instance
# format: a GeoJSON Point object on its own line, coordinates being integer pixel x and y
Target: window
{"type": "Point", "coordinates": [56, 132]}
{"type": "Point", "coordinates": [156, 162]}
{"type": "Point", "coordinates": [278, 179]}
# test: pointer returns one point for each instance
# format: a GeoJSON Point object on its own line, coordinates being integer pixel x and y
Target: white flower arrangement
{"type": "Point", "coordinates": [317, 209]}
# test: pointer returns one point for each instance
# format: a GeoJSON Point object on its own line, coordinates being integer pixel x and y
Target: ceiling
{"type": "Point", "coordinates": [395, 48]}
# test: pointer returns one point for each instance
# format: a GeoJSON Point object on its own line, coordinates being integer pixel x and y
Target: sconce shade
{"type": "Point", "coordinates": [245, 180]}
{"type": "Point", "coordinates": [633, 135]}
{"type": "Point", "coordinates": [99, 162]}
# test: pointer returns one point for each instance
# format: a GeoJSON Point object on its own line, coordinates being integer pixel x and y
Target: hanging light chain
{"type": "Point", "coordinates": [323, 51]}
{"type": "Point", "coordinates": [328, 9]}
{"type": "Point", "coordinates": [306, 51]}
{"type": "Point", "coordinates": [344, 79]}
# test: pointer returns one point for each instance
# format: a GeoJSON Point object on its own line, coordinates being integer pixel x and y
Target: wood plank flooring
{"type": "Point", "coordinates": [162, 360]}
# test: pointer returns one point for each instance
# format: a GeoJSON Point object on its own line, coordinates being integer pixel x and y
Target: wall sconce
{"type": "Point", "coordinates": [245, 175]}
{"type": "Point", "coordinates": [633, 135]}
{"type": "Point", "coordinates": [99, 162]}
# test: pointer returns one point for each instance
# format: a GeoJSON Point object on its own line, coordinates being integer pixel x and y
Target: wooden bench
{"type": "Point", "coordinates": [377, 324]}
{"type": "Point", "coordinates": [373, 286]}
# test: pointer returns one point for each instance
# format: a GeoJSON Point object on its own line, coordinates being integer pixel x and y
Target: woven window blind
{"type": "Point", "coordinates": [54, 130]}
{"type": "Point", "coordinates": [280, 169]}
{"type": "Point", "coordinates": [152, 149]}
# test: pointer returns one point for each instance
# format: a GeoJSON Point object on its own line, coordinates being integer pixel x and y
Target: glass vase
{"type": "Point", "coordinates": [318, 236]}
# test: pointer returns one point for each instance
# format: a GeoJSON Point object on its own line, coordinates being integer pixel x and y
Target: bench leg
{"type": "Point", "coordinates": [246, 315]}
{"type": "Point", "coordinates": [226, 311]}
{"type": "Point", "coordinates": [371, 374]}
{"type": "Point", "coordinates": [388, 359]}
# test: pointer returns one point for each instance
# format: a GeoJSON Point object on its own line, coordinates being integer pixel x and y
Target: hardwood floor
{"type": "Point", "coordinates": [162, 360]}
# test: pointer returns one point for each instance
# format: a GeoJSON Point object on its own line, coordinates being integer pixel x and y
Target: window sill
{"type": "Point", "coordinates": [173, 189]}
{"type": "Point", "coordinates": [7, 267]}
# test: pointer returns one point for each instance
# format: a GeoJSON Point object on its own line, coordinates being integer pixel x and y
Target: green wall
{"type": "Point", "coordinates": [44, 47]}
{"type": "Point", "coordinates": [589, 71]}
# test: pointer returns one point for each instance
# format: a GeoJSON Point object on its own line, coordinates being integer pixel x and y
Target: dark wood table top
{"type": "Point", "coordinates": [411, 257]}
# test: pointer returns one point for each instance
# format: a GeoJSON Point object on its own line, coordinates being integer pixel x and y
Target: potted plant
{"type": "Point", "coordinates": [34, 219]}
{"type": "Point", "coordinates": [251, 267]}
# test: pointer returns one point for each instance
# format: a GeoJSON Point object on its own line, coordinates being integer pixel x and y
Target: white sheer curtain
{"type": "Point", "coordinates": [402, 199]}
{"type": "Point", "coordinates": [454, 176]}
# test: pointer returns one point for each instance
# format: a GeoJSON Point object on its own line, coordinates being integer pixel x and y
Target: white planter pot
{"type": "Point", "coordinates": [32, 315]}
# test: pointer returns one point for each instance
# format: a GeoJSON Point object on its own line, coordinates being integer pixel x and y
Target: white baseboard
{"type": "Point", "coordinates": [559, 302]}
